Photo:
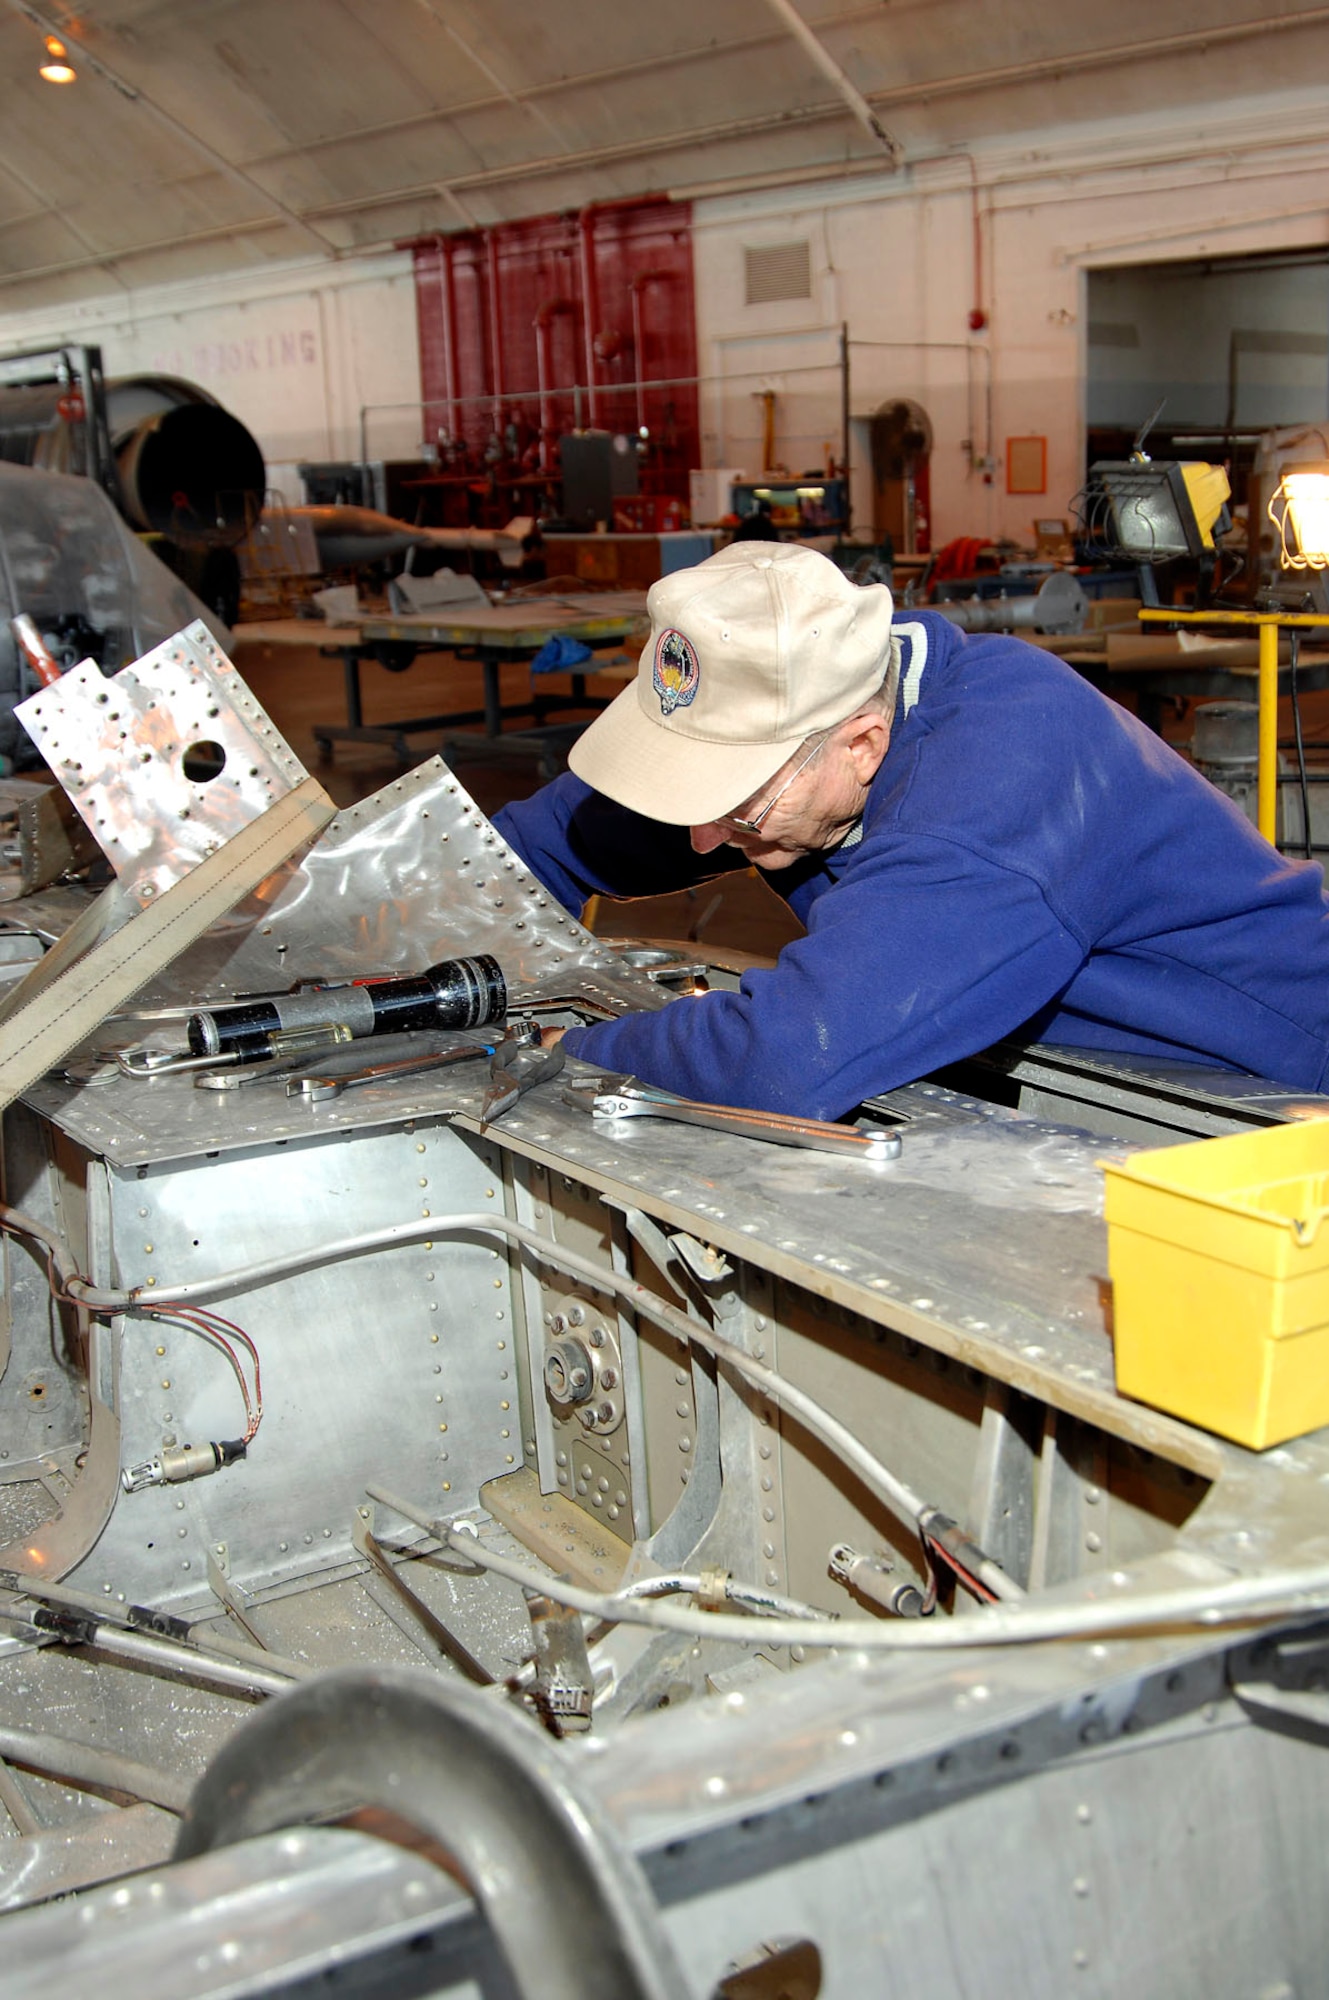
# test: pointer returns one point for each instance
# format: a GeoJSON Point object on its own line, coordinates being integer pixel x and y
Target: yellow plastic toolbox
{"type": "Point", "coordinates": [1219, 1258]}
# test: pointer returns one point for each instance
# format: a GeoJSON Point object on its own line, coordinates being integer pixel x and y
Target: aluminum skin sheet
{"type": "Point", "coordinates": [402, 1358]}
{"type": "Point", "coordinates": [120, 745]}
{"type": "Point", "coordinates": [410, 876]}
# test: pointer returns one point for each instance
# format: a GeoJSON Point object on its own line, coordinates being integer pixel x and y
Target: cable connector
{"type": "Point", "coordinates": [174, 1463]}
{"type": "Point", "coordinates": [870, 1576]}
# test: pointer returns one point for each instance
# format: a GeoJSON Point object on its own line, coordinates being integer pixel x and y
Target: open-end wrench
{"type": "Point", "coordinates": [626, 1098]}
{"type": "Point", "coordinates": [518, 1064]}
{"type": "Point", "coordinates": [318, 1089]}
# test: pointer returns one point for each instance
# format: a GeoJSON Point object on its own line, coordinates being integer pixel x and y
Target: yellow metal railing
{"type": "Point", "coordinates": [1268, 624]}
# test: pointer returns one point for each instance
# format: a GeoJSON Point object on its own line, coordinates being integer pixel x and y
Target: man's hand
{"type": "Point", "coordinates": [550, 1036]}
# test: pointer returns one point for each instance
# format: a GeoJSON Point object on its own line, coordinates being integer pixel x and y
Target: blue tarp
{"type": "Point", "coordinates": [560, 656]}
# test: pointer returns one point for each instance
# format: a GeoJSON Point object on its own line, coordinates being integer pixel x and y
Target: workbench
{"type": "Point", "coordinates": [1157, 671]}
{"type": "Point", "coordinates": [494, 636]}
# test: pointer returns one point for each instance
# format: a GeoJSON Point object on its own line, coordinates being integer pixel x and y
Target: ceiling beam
{"type": "Point", "coordinates": [786, 12]}
{"type": "Point", "coordinates": [46, 25]}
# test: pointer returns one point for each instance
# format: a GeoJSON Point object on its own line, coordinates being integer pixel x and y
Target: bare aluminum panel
{"type": "Point", "coordinates": [164, 760]}
{"type": "Point", "coordinates": [399, 1363]}
{"type": "Point", "coordinates": [412, 875]}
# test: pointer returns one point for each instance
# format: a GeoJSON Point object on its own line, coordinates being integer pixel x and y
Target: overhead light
{"type": "Point", "coordinates": [57, 68]}
{"type": "Point", "coordinates": [1300, 512]}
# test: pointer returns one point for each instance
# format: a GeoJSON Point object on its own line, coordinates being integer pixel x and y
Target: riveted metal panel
{"type": "Point", "coordinates": [399, 1366]}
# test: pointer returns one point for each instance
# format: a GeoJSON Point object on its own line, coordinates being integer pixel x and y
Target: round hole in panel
{"type": "Point", "coordinates": [203, 761]}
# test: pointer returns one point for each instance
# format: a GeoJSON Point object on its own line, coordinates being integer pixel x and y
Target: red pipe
{"type": "Point", "coordinates": [637, 287]}
{"type": "Point", "coordinates": [448, 294]}
{"type": "Point", "coordinates": [495, 330]}
{"type": "Point", "coordinates": [34, 650]}
{"type": "Point", "coordinates": [541, 323]}
{"type": "Point", "coordinates": [590, 303]}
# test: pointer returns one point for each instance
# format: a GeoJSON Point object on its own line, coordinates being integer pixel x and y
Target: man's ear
{"type": "Point", "coordinates": [870, 736]}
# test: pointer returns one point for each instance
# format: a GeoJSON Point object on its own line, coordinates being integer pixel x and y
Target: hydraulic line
{"type": "Point", "coordinates": [83, 1764]}
{"type": "Point", "coordinates": [908, 1506]}
{"type": "Point", "coordinates": [665, 1583]}
{"type": "Point", "coordinates": [77, 1619]}
{"type": "Point", "coordinates": [749, 1596]}
{"type": "Point", "coordinates": [1279, 1594]}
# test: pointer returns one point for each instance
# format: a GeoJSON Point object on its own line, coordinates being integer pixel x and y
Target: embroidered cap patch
{"type": "Point", "coordinates": [676, 675]}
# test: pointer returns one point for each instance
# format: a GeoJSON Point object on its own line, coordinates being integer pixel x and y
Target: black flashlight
{"type": "Point", "coordinates": [455, 993]}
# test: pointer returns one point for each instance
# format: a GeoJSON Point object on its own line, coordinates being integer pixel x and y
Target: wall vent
{"type": "Point", "coordinates": [777, 271]}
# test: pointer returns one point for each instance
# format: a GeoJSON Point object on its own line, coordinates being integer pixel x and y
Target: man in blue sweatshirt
{"type": "Point", "coordinates": [978, 844]}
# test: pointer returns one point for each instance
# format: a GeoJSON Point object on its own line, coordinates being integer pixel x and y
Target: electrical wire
{"type": "Point", "coordinates": [200, 1321]}
{"type": "Point", "coordinates": [66, 1283]}
{"type": "Point", "coordinates": [1294, 656]}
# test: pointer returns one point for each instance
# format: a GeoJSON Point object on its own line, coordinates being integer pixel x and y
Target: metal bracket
{"type": "Point", "coordinates": [234, 1601]}
{"type": "Point", "coordinates": [367, 1544]}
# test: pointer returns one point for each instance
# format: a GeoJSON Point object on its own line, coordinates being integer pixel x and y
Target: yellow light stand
{"type": "Point", "coordinates": [1268, 624]}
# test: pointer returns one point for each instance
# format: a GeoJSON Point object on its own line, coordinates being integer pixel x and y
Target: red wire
{"type": "Point", "coordinates": [201, 1319]}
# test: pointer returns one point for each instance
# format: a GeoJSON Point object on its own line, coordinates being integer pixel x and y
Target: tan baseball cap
{"type": "Point", "coordinates": [750, 653]}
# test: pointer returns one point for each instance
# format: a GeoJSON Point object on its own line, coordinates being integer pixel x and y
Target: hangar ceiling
{"type": "Point", "coordinates": [205, 138]}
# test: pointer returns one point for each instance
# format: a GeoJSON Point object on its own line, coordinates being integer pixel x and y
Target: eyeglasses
{"type": "Point", "coordinates": [753, 825]}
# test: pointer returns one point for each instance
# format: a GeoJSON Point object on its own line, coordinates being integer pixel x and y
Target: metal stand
{"type": "Point", "coordinates": [1268, 624]}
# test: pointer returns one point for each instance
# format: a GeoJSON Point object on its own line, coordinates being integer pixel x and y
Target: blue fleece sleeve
{"type": "Point", "coordinates": [923, 953]}
{"type": "Point", "coordinates": [580, 844]}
